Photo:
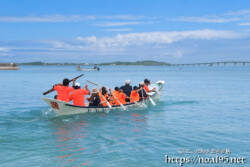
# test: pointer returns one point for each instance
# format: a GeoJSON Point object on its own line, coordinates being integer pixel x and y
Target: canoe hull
{"type": "Point", "coordinates": [65, 108]}
{"type": "Point", "coordinates": [9, 68]}
{"type": "Point", "coordinates": [82, 69]}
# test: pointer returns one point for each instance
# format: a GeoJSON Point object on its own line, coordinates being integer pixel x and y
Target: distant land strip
{"type": "Point", "coordinates": [138, 63]}
{"type": "Point", "coordinates": [116, 63]}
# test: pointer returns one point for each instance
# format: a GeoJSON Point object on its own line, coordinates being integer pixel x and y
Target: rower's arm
{"type": "Point", "coordinates": [74, 80]}
{"type": "Point", "coordinates": [86, 87]}
{"type": "Point", "coordinates": [152, 90]}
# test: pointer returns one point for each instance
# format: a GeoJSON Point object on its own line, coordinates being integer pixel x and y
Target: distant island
{"type": "Point", "coordinates": [116, 63]}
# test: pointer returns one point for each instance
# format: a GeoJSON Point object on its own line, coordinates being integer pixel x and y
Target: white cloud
{"type": "Point", "coordinates": [178, 54]}
{"type": "Point", "coordinates": [238, 13]}
{"type": "Point", "coordinates": [242, 15]}
{"type": "Point", "coordinates": [70, 18]}
{"type": "Point", "coordinates": [49, 18]}
{"type": "Point", "coordinates": [244, 24]}
{"type": "Point", "coordinates": [111, 24]}
{"type": "Point", "coordinates": [119, 29]}
{"type": "Point", "coordinates": [122, 17]}
{"type": "Point", "coordinates": [174, 44]}
{"type": "Point", "coordinates": [206, 19]}
{"type": "Point", "coordinates": [151, 39]}
{"type": "Point", "coordinates": [4, 49]}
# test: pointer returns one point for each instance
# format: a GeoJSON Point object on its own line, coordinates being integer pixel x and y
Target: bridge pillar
{"type": "Point", "coordinates": [225, 64]}
{"type": "Point", "coordinates": [235, 63]}
{"type": "Point", "coordinates": [243, 63]}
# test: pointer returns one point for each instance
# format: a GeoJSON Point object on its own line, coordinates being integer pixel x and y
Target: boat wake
{"type": "Point", "coordinates": [183, 102]}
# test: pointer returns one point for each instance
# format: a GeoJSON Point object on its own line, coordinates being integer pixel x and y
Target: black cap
{"type": "Point", "coordinates": [146, 80]}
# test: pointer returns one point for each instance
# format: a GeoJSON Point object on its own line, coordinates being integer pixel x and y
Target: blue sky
{"type": "Point", "coordinates": [175, 31]}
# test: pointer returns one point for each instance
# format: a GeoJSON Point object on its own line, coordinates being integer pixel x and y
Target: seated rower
{"type": "Point", "coordinates": [121, 97]}
{"type": "Point", "coordinates": [142, 93]}
{"type": "Point", "coordinates": [127, 88]}
{"type": "Point", "coordinates": [94, 99]}
{"type": "Point", "coordinates": [115, 93]}
{"type": "Point", "coordinates": [104, 96]}
{"type": "Point", "coordinates": [134, 95]}
{"type": "Point", "coordinates": [146, 83]}
{"type": "Point", "coordinates": [78, 96]}
{"type": "Point", "coordinates": [63, 90]}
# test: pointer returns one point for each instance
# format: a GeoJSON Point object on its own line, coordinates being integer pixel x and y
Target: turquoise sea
{"type": "Point", "coordinates": [201, 108]}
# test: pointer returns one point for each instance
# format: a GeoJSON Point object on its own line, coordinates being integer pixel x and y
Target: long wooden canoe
{"type": "Point", "coordinates": [65, 108]}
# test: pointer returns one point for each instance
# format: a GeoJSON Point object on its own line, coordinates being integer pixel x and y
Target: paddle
{"type": "Point", "coordinates": [157, 92]}
{"type": "Point", "coordinates": [151, 100]}
{"type": "Point", "coordinates": [51, 90]}
{"type": "Point", "coordinates": [111, 93]}
{"type": "Point", "coordinates": [107, 102]}
{"type": "Point", "coordinates": [134, 101]}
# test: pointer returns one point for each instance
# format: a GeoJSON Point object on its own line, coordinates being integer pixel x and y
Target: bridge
{"type": "Point", "coordinates": [213, 63]}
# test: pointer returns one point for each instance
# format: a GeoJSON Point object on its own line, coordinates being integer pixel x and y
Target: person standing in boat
{"type": "Point", "coordinates": [64, 90]}
{"type": "Point", "coordinates": [146, 83]}
{"type": "Point", "coordinates": [78, 96]}
{"type": "Point", "coordinates": [142, 93]}
{"type": "Point", "coordinates": [94, 99]}
{"type": "Point", "coordinates": [127, 88]}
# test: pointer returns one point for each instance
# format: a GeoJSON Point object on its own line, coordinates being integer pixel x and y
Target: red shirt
{"type": "Point", "coordinates": [78, 97]}
{"type": "Point", "coordinates": [146, 88]}
{"type": "Point", "coordinates": [63, 92]}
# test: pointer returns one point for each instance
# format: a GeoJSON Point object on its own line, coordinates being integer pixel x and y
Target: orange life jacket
{"type": "Point", "coordinates": [135, 96]}
{"type": "Point", "coordinates": [106, 96]}
{"type": "Point", "coordinates": [115, 93]}
{"type": "Point", "coordinates": [121, 97]}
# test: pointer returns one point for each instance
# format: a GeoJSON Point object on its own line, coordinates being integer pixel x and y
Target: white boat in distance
{"type": "Point", "coordinates": [65, 108]}
{"type": "Point", "coordinates": [88, 69]}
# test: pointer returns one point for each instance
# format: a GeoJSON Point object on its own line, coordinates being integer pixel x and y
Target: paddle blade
{"type": "Point", "coordinates": [157, 92]}
{"type": "Point", "coordinates": [152, 101]}
{"type": "Point", "coordinates": [109, 105]}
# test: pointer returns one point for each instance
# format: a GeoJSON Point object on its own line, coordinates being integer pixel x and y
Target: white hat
{"type": "Point", "coordinates": [77, 84]}
{"type": "Point", "coordinates": [95, 90]}
{"type": "Point", "coordinates": [141, 83]}
{"type": "Point", "coordinates": [127, 82]}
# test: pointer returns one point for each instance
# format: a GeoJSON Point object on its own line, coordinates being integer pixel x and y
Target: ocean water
{"type": "Point", "coordinates": [201, 108]}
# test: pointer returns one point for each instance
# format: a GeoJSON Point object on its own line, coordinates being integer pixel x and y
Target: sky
{"type": "Point", "coordinates": [173, 31]}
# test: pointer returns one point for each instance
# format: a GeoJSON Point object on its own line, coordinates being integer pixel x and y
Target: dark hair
{"type": "Point", "coordinates": [104, 90]}
{"type": "Point", "coordinates": [76, 87]}
{"type": "Point", "coordinates": [146, 80]}
{"type": "Point", "coordinates": [135, 87]}
{"type": "Point", "coordinates": [66, 82]}
{"type": "Point", "coordinates": [117, 88]}
{"type": "Point", "coordinates": [92, 97]}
